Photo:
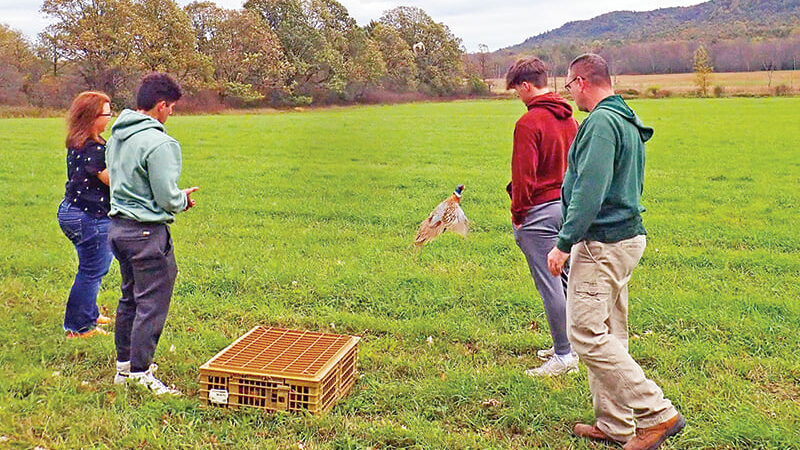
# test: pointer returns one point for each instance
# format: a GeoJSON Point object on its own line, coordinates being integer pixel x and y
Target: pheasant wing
{"type": "Point", "coordinates": [431, 227]}
{"type": "Point", "coordinates": [460, 224]}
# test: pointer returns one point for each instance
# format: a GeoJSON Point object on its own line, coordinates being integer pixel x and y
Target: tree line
{"type": "Point", "coordinates": [660, 57]}
{"type": "Point", "coordinates": [270, 52]}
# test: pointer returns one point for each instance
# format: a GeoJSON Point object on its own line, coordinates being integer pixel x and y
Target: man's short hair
{"type": "Point", "coordinates": [155, 88]}
{"type": "Point", "coordinates": [533, 70]}
{"type": "Point", "coordinates": [592, 68]}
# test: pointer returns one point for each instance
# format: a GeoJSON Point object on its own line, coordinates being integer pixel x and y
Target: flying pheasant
{"type": "Point", "coordinates": [447, 216]}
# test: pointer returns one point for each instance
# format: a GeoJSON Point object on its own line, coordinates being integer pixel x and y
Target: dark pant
{"type": "Point", "coordinates": [147, 266]}
{"type": "Point", "coordinates": [536, 237]}
{"type": "Point", "coordinates": [89, 235]}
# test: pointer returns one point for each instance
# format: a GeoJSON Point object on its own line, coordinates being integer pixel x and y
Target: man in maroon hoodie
{"type": "Point", "coordinates": [542, 138]}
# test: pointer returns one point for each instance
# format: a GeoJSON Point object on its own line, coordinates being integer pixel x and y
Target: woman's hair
{"type": "Point", "coordinates": [85, 109]}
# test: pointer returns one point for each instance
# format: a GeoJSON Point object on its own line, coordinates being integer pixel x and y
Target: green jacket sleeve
{"type": "Point", "coordinates": [594, 167]}
{"type": "Point", "coordinates": [164, 168]}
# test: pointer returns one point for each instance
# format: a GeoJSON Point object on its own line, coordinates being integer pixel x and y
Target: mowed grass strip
{"type": "Point", "coordinates": [306, 220]}
{"type": "Point", "coordinates": [730, 83]}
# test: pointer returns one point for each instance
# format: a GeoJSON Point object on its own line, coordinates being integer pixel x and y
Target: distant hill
{"type": "Point", "coordinates": [715, 19]}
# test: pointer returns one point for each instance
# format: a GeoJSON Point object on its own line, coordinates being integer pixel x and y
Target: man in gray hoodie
{"type": "Point", "coordinates": [144, 164]}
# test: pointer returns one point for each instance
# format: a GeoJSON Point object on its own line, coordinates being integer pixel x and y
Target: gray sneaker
{"type": "Point", "coordinates": [557, 365]}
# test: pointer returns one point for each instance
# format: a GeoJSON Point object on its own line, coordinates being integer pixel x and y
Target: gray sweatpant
{"type": "Point", "coordinates": [148, 269]}
{"type": "Point", "coordinates": [536, 237]}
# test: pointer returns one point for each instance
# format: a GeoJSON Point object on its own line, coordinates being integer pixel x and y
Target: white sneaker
{"type": "Point", "coordinates": [124, 371]}
{"type": "Point", "coordinates": [546, 354]}
{"type": "Point", "coordinates": [148, 380]}
{"type": "Point", "coordinates": [557, 365]}
{"type": "Point", "coordinates": [151, 382]}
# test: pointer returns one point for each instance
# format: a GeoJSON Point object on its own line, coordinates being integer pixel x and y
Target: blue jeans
{"type": "Point", "coordinates": [89, 235]}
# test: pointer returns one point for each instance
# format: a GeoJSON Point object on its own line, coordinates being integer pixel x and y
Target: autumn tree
{"type": "Point", "coordinates": [50, 51]}
{"type": "Point", "coordinates": [327, 51]}
{"type": "Point", "coordinates": [282, 51]}
{"type": "Point", "coordinates": [364, 64]}
{"type": "Point", "coordinates": [164, 41]}
{"type": "Point", "coordinates": [17, 61]}
{"type": "Point", "coordinates": [331, 21]}
{"type": "Point", "coordinates": [356, 62]}
{"type": "Point", "coordinates": [306, 50]}
{"type": "Point", "coordinates": [111, 43]}
{"type": "Point", "coordinates": [96, 35]}
{"type": "Point", "coordinates": [204, 16]}
{"type": "Point", "coordinates": [247, 57]}
{"type": "Point", "coordinates": [702, 70]}
{"type": "Point", "coordinates": [483, 61]}
{"type": "Point", "coordinates": [401, 68]}
{"type": "Point", "coordinates": [439, 63]}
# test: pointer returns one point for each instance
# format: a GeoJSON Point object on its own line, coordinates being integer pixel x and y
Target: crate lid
{"type": "Point", "coordinates": [272, 351]}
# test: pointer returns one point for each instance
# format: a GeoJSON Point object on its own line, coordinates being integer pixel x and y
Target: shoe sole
{"type": "Point", "coordinates": [153, 390]}
{"type": "Point", "coordinates": [87, 335]}
{"type": "Point", "coordinates": [536, 375]}
{"type": "Point", "coordinates": [547, 358]}
{"type": "Point", "coordinates": [605, 439]}
{"type": "Point", "coordinates": [677, 428]}
{"type": "Point", "coordinates": [128, 381]}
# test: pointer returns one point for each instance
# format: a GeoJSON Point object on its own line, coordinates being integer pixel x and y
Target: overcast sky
{"type": "Point", "coordinates": [474, 21]}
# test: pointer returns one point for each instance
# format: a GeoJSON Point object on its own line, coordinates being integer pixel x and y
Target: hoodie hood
{"type": "Point", "coordinates": [616, 104]}
{"type": "Point", "coordinates": [554, 103]}
{"type": "Point", "coordinates": [131, 122]}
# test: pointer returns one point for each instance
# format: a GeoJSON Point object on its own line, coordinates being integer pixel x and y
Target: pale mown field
{"type": "Point", "coordinates": [736, 83]}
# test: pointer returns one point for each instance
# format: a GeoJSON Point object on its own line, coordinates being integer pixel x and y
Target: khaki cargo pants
{"type": "Point", "coordinates": [597, 323]}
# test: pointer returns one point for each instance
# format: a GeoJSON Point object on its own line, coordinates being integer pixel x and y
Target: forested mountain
{"type": "Point", "coordinates": [740, 35]}
{"type": "Point", "coordinates": [715, 19]}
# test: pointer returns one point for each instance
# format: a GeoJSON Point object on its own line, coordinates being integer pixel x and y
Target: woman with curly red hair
{"type": "Point", "coordinates": [83, 214]}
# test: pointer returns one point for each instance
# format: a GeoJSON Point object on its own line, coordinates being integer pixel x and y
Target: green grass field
{"type": "Point", "coordinates": [306, 220]}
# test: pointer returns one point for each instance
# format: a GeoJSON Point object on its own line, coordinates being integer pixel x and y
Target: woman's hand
{"type": "Point", "coordinates": [103, 176]}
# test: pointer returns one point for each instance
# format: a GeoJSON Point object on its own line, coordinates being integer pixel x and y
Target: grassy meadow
{"type": "Point", "coordinates": [305, 219]}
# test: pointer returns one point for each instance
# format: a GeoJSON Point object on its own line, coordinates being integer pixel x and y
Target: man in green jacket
{"type": "Point", "coordinates": [144, 164]}
{"type": "Point", "coordinates": [603, 238]}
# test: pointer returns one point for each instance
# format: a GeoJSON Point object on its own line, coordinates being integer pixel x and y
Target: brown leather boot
{"type": "Point", "coordinates": [651, 438]}
{"type": "Point", "coordinates": [591, 432]}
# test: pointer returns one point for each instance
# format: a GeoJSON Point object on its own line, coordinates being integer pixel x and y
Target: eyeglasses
{"type": "Point", "coordinates": [111, 114]}
{"type": "Point", "coordinates": [567, 86]}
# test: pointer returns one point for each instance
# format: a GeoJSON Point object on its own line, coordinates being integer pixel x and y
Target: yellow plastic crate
{"type": "Point", "coordinates": [281, 370]}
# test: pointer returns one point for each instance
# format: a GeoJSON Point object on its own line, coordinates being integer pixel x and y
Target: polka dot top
{"type": "Point", "coordinates": [84, 190]}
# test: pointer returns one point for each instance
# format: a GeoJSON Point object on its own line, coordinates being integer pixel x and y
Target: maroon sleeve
{"type": "Point", "coordinates": [523, 171]}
